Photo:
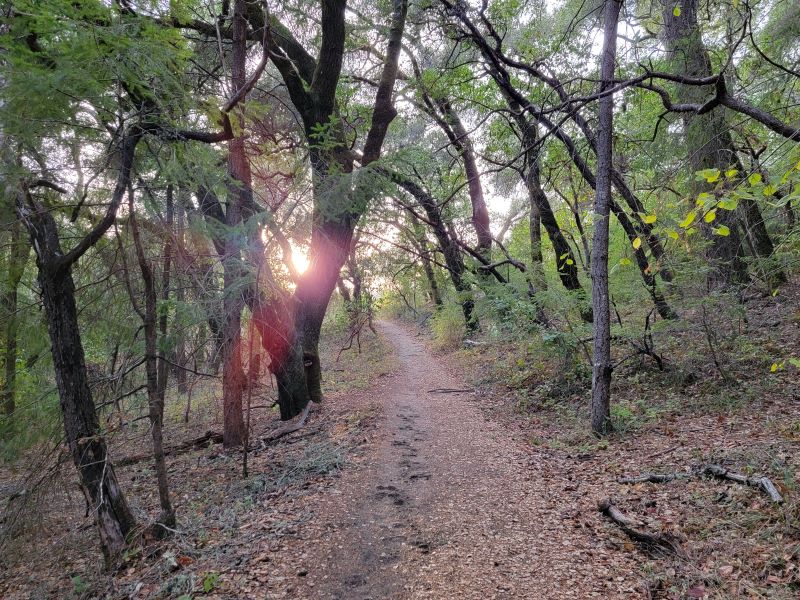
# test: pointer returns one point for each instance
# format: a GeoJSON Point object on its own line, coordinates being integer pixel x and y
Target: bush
{"type": "Point", "coordinates": [447, 326]}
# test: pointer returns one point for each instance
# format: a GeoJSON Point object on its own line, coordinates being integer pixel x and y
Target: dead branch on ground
{"type": "Point", "coordinates": [652, 542]}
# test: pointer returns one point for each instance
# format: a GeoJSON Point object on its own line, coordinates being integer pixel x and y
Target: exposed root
{"type": "Point", "coordinates": [652, 542]}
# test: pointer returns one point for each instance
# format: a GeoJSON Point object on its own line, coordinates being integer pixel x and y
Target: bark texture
{"type": "Point", "coordinates": [601, 368]}
{"type": "Point", "coordinates": [710, 146]}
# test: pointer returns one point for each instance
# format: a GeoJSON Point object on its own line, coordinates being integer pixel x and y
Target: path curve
{"type": "Point", "coordinates": [449, 506]}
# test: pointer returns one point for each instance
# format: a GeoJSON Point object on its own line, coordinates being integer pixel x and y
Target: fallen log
{"type": "Point", "coordinates": [763, 483]}
{"type": "Point", "coordinates": [204, 441]}
{"type": "Point", "coordinates": [653, 478]}
{"type": "Point", "coordinates": [651, 542]}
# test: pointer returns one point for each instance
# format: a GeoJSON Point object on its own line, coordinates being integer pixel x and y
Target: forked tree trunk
{"type": "Point", "coordinates": [81, 426]}
{"type": "Point", "coordinates": [338, 202]}
{"type": "Point", "coordinates": [601, 368]}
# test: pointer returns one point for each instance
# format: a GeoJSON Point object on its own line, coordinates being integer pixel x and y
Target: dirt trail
{"type": "Point", "coordinates": [448, 506]}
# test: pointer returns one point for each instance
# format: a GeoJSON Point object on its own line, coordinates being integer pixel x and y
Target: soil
{"type": "Point", "coordinates": [450, 505]}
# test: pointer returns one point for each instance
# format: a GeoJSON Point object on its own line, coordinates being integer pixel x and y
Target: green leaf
{"type": "Point", "coordinates": [723, 231]}
{"type": "Point", "coordinates": [710, 175]}
{"type": "Point", "coordinates": [710, 216]}
{"type": "Point", "coordinates": [769, 190]}
{"type": "Point", "coordinates": [210, 581]}
{"type": "Point", "coordinates": [754, 179]}
{"type": "Point", "coordinates": [727, 204]}
{"type": "Point", "coordinates": [569, 261]}
{"type": "Point", "coordinates": [688, 220]}
{"type": "Point", "coordinates": [625, 261]}
{"type": "Point", "coordinates": [673, 234]}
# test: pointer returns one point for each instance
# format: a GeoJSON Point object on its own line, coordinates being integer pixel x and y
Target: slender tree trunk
{"type": "Point", "coordinates": [155, 372]}
{"type": "Point", "coordinates": [480, 213]}
{"type": "Point", "coordinates": [427, 265]}
{"type": "Point", "coordinates": [450, 249]}
{"type": "Point", "coordinates": [180, 296]}
{"type": "Point", "coordinates": [239, 193]}
{"type": "Point", "coordinates": [17, 259]}
{"type": "Point", "coordinates": [81, 426]}
{"type": "Point", "coordinates": [601, 369]}
{"type": "Point", "coordinates": [538, 279]}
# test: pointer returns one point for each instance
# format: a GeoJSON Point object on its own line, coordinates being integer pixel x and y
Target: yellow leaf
{"type": "Point", "coordinates": [569, 261]}
{"type": "Point", "coordinates": [688, 220]}
{"type": "Point", "coordinates": [769, 190]}
{"type": "Point", "coordinates": [754, 178]}
{"type": "Point", "coordinates": [650, 219]}
{"type": "Point", "coordinates": [673, 234]}
{"type": "Point", "coordinates": [774, 367]}
{"type": "Point", "coordinates": [731, 173]}
{"type": "Point", "coordinates": [676, 11]}
{"type": "Point", "coordinates": [723, 231]}
{"type": "Point", "coordinates": [710, 216]}
{"type": "Point", "coordinates": [624, 261]}
{"type": "Point", "coordinates": [637, 243]}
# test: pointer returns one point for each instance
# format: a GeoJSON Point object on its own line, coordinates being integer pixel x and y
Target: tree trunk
{"type": "Point", "coordinates": [538, 279]}
{"type": "Point", "coordinates": [450, 249]}
{"type": "Point", "coordinates": [709, 143]}
{"type": "Point", "coordinates": [427, 265]}
{"type": "Point", "coordinates": [480, 213]}
{"type": "Point", "coordinates": [239, 195]}
{"type": "Point", "coordinates": [179, 356]}
{"type": "Point", "coordinates": [17, 259]}
{"type": "Point", "coordinates": [81, 426]}
{"type": "Point", "coordinates": [601, 368]}
{"type": "Point", "coordinates": [155, 372]}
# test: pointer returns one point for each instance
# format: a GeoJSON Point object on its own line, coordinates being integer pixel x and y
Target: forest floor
{"type": "Point", "coordinates": [432, 475]}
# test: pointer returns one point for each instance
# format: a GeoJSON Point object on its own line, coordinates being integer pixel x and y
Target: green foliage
{"type": "Point", "coordinates": [447, 326]}
{"type": "Point", "coordinates": [210, 582]}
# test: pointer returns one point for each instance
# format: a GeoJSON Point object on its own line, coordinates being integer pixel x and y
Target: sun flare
{"type": "Point", "coordinates": [299, 260]}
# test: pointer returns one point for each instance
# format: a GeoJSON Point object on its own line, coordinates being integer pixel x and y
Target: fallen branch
{"type": "Point", "coordinates": [652, 542]}
{"type": "Point", "coordinates": [654, 478]}
{"type": "Point", "coordinates": [288, 428]}
{"type": "Point", "coordinates": [764, 483]}
{"type": "Point", "coordinates": [204, 441]}
{"type": "Point", "coordinates": [448, 391]}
